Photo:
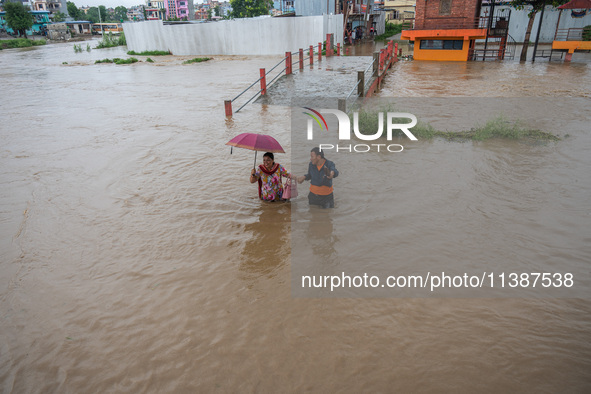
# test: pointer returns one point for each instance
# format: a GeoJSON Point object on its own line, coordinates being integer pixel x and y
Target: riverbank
{"type": "Point", "coordinates": [9, 42]}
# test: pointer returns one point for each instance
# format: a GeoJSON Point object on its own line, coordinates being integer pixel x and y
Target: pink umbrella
{"type": "Point", "coordinates": [256, 142]}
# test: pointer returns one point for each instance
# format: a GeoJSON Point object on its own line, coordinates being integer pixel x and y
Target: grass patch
{"type": "Point", "coordinates": [20, 43]}
{"type": "Point", "coordinates": [149, 53]}
{"type": "Point", "coordinates": [149, 60]}
{"type": "Point", "coordinates": [391, 30]}
{"type": "Point", "coordinates": [111, 40]}
{"type": "Point", "coordinates": [118, 61]}
{"type": "Point", "coordinates": [197, 60]}
{"type": "Point", "coordinates": [497, 128]}
{"type": "Point", "coordinates": [125, 61]}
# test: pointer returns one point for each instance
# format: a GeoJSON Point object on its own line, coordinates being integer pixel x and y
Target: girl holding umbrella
{"type": "Point", "coordinates": [268, 176]}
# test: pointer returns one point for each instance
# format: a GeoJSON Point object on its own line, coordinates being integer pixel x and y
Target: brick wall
{"type": "Point", "coordinates": [434, 14]}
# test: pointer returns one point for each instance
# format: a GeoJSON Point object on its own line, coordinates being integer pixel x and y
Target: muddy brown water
{"type": "Point", "coordinates": [136, 256]}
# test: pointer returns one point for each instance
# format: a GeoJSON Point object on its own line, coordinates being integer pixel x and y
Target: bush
{"type": "Point", "coordinates": [125, 61]}
{"type": "Point", "coordinates": [20, 43]}
{"type": "Point", "coordinates": [149, 53]}
{"type": "Point", "coordinates": [117, 60]}
{"type": "Point", "coordinates": [197, 60]}
{"type": "Point", "coordinates": [110, 40]}
{"type": "Point", "coordinates": [587, 33]}
{"type": "Point", "coordinates": [149, 60]}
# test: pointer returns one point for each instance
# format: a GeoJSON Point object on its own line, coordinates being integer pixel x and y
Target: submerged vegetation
{"type": "Point", "coordinates": [78, 48]}
{"type": "Point", "coordinates": [497, 128]}
{"type": "Point", "coordinates": [197, 60]}
{"type": "Point", "coordinates": [118, 61]}
{"type": "Point", "coordinates": [110, 40]}
{"type": "Point", "coordinates": [149, 53]}
{"type": "Point", "coordinates": [20, 43]}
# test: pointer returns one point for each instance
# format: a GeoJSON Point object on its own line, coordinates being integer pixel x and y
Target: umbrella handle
{"type": "Point", "coordinates": [255, 160]}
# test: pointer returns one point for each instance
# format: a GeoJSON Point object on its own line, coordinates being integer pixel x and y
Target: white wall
{"type": "Point", "coordinates": [519, 21]}
{"type": "Point", "coordinates": [248, 36]}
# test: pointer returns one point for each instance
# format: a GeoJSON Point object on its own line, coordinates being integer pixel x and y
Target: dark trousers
{"type": "Point", "coordinates": [323, 201]}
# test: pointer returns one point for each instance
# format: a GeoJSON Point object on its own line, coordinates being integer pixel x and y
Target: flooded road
{"type": "Point", "coordinates": [136, 256]}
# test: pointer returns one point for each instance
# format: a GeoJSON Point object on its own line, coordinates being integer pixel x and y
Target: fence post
{"type": "Point", "coordinates": [338, 49]}
{"type": "Point", "coordinates": [287, 63]}
{"type": "Point", "coordinates": [263, 82]}
{"type": "Point", "coordinates": [311, 55]}
{"type": "Point", "coordinates": [395, 49]}
{"type": "Point", "coordinates": [319, 52]}
{"type": "Point", "coordinates": [361, 83]}
{"type": "Point", "coordinates": [301, 59]}
{"type": "Point", "coordinates": [342, 105]}
{"type": "Point", "coordinates": [376, 63]}
{"type": "Point", "coordinates": [228, 106]}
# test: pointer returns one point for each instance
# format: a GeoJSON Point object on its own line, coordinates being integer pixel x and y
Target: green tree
{"type": "Point", "coordinates": [74, 11]}
{"type": "Point", "coordinates": [250, 8]}
{"type": "Point", "coordinates": [120, 13]}
{"type": "Point", "coordinates": [18, 17]}
{"type": "Point", "coordinates": [93, 15]}
{"type": "Point", "coordinates": [537, 6]}
{"type": "Point", "coordinates": [58, 17]}
{"type": "Point", "coordinates": [218, 10]}
{"type": "Point", "coordinates": [103, 12]}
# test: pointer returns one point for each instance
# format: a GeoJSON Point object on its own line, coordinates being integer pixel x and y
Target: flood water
{"type": "Point", "coordinates": [136, 256]}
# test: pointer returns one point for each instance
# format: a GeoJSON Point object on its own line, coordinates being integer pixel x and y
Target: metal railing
{"type": "Point", "coordinates": [571, 34]}
{"type": "Point", "coordinates": [289, 67]}
{"type": "Point", "coordinates": [257, 81]}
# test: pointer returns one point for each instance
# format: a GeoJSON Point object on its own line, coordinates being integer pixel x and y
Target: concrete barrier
{"type": "Point", "coordinates": [248, 36]}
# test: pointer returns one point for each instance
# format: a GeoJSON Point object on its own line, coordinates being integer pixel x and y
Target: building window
{"type": "Point", "coordinates": [442, 44]}
{"type": "Point", "coordinates": [444, 7]}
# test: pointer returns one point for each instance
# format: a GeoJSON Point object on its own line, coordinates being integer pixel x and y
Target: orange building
{"type": "Point", "coordinates": [447, 30]}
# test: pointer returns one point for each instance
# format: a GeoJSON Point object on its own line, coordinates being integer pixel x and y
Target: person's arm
{"type": "Point", "coordinates": [254, 176]}
{"type": "Point", "coordinates": [306, 177]}
{"type": "Point", "coordinates": [332, 168]}
{"type": "Point", "coordinates": [284, 172]}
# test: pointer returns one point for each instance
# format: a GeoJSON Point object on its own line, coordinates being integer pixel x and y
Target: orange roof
{"type": "Point", "coordinates": [466, 34]}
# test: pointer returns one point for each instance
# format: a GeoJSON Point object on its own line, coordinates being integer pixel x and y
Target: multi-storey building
{"type": "Point", "coordinates": [155, 10]}
{"type": "Point", "coordinates": [181, 9]}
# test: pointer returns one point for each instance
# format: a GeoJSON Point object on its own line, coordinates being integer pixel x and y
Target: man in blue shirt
{"type": "Point", "coordinates": [320, 174]}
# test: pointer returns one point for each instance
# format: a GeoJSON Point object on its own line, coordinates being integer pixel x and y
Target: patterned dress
{"type": "Point", "coordinates": [270, 187]}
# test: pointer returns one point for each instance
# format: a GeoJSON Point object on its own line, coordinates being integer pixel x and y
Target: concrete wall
{"type": "Point", "coordinates": [520, 19]}
{"type": "Point", "coordinates": [248, 36]}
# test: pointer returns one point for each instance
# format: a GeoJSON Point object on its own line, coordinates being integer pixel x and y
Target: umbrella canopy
{"type": "Point", "coordinates": [257, 142]}
{"type": "Point", "coordinates": [576, 5]}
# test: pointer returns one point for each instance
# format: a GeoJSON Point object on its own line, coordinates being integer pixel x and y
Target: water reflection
{"type": "Point", "coordinates": [267, 247]}
{"type": "Point", "coordinates": [320, 235]}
